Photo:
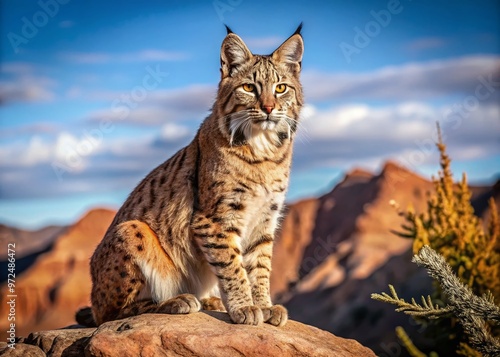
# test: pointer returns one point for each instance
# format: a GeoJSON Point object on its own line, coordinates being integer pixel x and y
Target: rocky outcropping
{"type": "Point", "coordinates": [201, 334]}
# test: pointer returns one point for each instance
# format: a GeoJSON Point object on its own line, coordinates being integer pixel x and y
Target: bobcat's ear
{"type": "Point", "coordinates": [290, 52]}
{"type": "Point", "coordinates": [233, 54]}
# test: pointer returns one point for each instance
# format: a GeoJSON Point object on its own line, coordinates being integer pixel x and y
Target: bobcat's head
{"type": "Point", "coordinates": [260, 96]}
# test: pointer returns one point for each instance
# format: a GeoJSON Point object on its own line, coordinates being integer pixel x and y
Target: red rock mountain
{"type": "Point", "coordinates": [28, 242]}
{"type": "Point", "coordinates": [332, 253]}
{"type": "Point", "coordinates": [58, 282]}
{"type": "Point", "coordinates": [347, 232]}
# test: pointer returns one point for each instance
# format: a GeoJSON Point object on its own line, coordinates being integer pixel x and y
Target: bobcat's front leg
{"type": "Point", "coordinates": [220, 246]}
{"type": "Point", "coordinates": [257, 262]}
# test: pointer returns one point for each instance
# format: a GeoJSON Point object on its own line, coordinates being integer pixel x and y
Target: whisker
{"type": "Point", "coordinates": [243, 122]}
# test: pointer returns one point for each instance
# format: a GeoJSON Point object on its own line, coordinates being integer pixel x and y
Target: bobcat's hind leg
{"type": "Point", "coordinates": [212, 303]}
{"type": "Point", "coordinates": [116, 278]}
{"type": "Point", "coordinates": [130, 271]}
{"type": "Point", "coordinates": [181, 304]}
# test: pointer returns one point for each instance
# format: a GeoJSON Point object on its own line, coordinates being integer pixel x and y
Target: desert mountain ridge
{"type": "Point", "coordinates": [58, 281]}
{"type": "Point", "coordinates": [335, 250]}
{"type": "Point", "coordinates": [330, 254]}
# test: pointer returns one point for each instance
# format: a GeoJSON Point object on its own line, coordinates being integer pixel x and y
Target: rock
{"type": "Point", "coordinates": [69, 342]}
{"type": "Point", "coordinates": [21, 350]}
{"type": "Point", "coordinates": [201, 334]}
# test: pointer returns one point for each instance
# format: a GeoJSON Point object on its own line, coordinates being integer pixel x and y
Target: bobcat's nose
{"type": "Point", "coordinates": [268, 108]}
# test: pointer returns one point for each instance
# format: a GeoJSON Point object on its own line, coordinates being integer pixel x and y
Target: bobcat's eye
{"type": "Point", "coordinates": [248, 87]}
{"type": "Point", "coordinates": [280, 88]}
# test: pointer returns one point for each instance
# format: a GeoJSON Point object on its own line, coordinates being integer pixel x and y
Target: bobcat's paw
{"type": "Point", "coordinates": [182, 304]}
{"type": "Point", "coordinates": [247, 315]}
{"type": "Point", "coordinates": [212, 304]}
{"type": "Point", "coordinates": [276, 315]}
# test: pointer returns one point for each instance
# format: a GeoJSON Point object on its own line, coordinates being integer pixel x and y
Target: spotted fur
{"type": "Point", "coordinates": [201, 225]}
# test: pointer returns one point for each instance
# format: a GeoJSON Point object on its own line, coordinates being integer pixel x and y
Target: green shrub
{"type": "Point", "coordinates": [449, 227]}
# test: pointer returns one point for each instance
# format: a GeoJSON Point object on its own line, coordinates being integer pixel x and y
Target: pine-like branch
{"type": "Point", "coordinates": [459, 295]}
{"type": "Point", "coordinates": [449, 226]}
{"type": "Point", "coordinates": [472, 311]}
{"type": "Point", "coordinates": [428, 309]}
{"type": "Point", "coordinates": [408, 343]}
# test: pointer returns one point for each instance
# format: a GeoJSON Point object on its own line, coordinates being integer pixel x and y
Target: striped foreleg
{"type": "Point", "coordinates": [220, 247]}
{"type": "Point", "coordinates": [257, 262]}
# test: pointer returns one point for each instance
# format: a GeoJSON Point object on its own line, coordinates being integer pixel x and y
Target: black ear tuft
{"type": "Point", "coordinates": [228, 29]}
{"type": "Point", "coordinates": [297, 32]}
{"type": "Point", "coordinates": [290, 52]}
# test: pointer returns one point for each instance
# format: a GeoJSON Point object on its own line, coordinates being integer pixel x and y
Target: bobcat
{"type": "Point", "coordinates": [201, 225]}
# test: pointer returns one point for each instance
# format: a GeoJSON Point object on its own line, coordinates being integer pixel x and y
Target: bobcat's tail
{"type": "Point", "coordinates": [84, 317]}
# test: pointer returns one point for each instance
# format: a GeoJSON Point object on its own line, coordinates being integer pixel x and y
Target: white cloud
{"type": "Point", "coordinates": [24, 91]}
{"type": "Point", "coordinates": [364, 135]}
{"type": "Point", "coordinates": [426, 43]}
{"type": "Point", "coordinates": [358, 133]}
{"type": "Point", "coordinates": [70, 164]}
{"type": "Point", "coordinates": [142, 115]}
{"type": "Point", "coordinates": [86, 57]}
{"type": "Point", "coordinates": [192, 100]}
{"type": "Point", "coordinates": [29, 129]}
{"type": "Point", "coordinates": [39, 150]}
{"type": "Point", "coordinates": [337, 136]}
{"type": "Point", "coordinates": [172, 131]}
{"type": "Point", "coordinates": [74, 92]}
{"type": "Point", "coordinates": [362, 121]}
{"type": "Point", "coordinates": [17, 68]}
{"type": "Point", "coordinates": [158, 107]}
{"type": "Point", "coordinates": [155, 55]}
{"type": "Point", "coordinates": [20, 83]}
{"type": "Point", "coordinates": [147, 55]}
{"type": "Point", "coordinates": [414, 81]}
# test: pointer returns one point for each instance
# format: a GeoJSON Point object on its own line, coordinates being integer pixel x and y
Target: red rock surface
{"type": "Point", "coordinates": [200, 334]}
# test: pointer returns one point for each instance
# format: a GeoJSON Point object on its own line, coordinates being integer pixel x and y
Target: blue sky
{"type": "Point", "coordinates": [95, 94]}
